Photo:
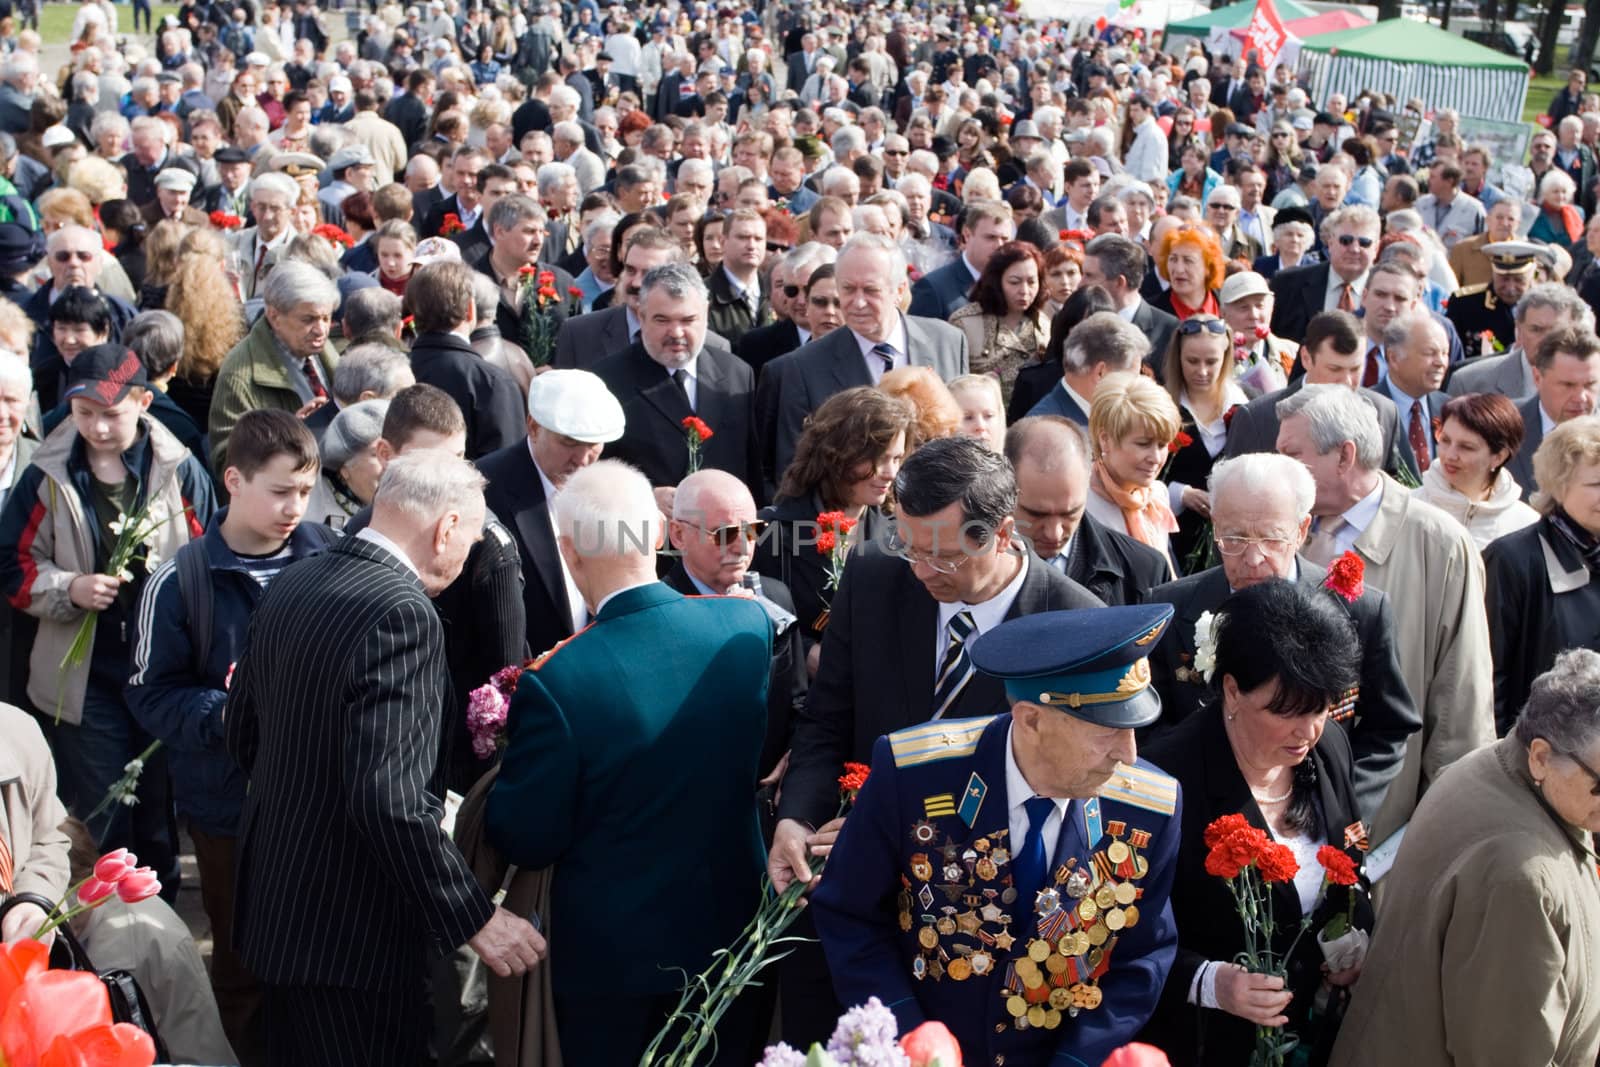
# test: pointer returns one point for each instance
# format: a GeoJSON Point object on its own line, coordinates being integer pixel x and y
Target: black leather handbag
{"type": "Point", "coordinates": [128, 1002]}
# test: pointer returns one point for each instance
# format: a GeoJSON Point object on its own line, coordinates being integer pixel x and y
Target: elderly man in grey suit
{"type": "Point", "coordinates": [876, 338]}
{"type": "Point", "coordinates": [1544, 308]}
{"type": "Point", "coordinates": [1566, 378]}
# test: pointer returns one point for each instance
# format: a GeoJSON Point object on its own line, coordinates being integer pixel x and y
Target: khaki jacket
{"type": "Point", "coordinates": [253, 376]}
{"type": "Point", "coordinates": [30, 814]}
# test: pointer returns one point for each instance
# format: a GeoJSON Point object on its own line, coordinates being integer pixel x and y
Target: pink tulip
{"type": "Point", "coordinates": [142, 884]}
{"type": "Point", "coordinates": [94, 891]}
{"type": "Point", "coordinates": [1137, 1055]}
{"type": "Point", "coordinates": [931, 1045]}
{"type": "Point", "coordinates": [115, 866]}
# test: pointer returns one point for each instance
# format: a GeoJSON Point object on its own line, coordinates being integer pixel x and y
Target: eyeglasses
{"type": "Point", "coordinates": [1224, 207]}
{"type": "Point", "coordinates": [1238, 546]}
{"type": "Point", "coordinates": [728, 536]}
{"type": "Point", "coordinates": [896, 152]}
{"type": "Point", "coordinates": [1594, 790]}
{"type": "Point", "coordinates": [66, 255]}
{"type": "Point", "coordinates": [1283, 134]}
{"type": "Point", "coordinates": [896, 543]}
{"type": "Point", "coordinates": [1348, 239]}
{"type": "Point", "coordinates": [1195, 323]}
{"type": "Point", "coordinates": [791, 291]}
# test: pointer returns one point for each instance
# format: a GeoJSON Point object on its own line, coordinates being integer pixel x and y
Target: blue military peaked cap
{"type": "Point", "coordinates": [1092, 663]}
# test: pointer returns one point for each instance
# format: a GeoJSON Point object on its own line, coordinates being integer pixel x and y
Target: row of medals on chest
{"type": "Point", "coordinates": [1055, 974]}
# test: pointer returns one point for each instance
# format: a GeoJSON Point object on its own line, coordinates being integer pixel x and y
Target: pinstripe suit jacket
{"type": "Point", "coordinates": [345, 877]}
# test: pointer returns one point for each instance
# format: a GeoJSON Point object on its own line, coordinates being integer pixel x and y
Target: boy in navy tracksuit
{"type": "Point", "coordinates": [179, 688]}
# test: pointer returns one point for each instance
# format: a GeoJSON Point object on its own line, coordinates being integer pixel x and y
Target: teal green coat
{"type": "Point", "coordinates": [632, 767]}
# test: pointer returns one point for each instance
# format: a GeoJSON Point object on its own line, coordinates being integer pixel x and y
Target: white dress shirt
{"type": "Point", "coordinates": [1330, 296]}
{"type": "Point", "coordinates": [985, 616]}
{"type": "Point", "coordinates": [1018, 793]}
{"type": "Point", "coordinates": [691, 380]}
{"type": "Point", "coordinates": [369, 534]}
{"type": "Point", "coordinates": [1358, 518]}
{"type": "Point", "coordinates": [896, 340]}
{"type": "Point", "coordinates": [579, 612]}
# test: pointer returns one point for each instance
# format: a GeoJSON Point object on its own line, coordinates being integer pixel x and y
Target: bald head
{"type": "Point", "coordinates": [1051, 458]}
{"type": "Point", "coordinates": [713, 517]}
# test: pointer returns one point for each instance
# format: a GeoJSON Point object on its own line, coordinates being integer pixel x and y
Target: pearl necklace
{"type": "Point", "coordinates": [1279, 799]}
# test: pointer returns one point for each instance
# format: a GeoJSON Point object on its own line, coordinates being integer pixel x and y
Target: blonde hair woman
{"type": "Point", "coordinates": [203, 297]}
{"type": "Point", "coordinates": [16, 329]}
{"type": "Point", "coordinates": [98, 179]}
{"type": "Point", "coordinates": [1132, 421]}
{"type": "Point", "coordinates": [161, 262]}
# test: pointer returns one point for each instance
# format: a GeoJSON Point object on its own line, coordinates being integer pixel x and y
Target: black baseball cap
{"type": "Point", "coordinates": [105, 373]}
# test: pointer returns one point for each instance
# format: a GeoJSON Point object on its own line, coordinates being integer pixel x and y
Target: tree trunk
{"type": "Point", "coordinates": [1583, 55]}
{"type": "Point", "coordinates": [1388, 9]}
{"type": "Point", "coordinates": [1548, 31]}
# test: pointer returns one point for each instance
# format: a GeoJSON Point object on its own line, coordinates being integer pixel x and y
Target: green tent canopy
{"type": "Point", "coordinates": [1233, 16]}
{"type": "Point", "coordinates": [1415, 60]}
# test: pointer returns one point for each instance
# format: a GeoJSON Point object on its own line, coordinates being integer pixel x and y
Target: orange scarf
{"type": "Point", "coordinates": [1567, 218]}
{"type": "Point", "coordinates": [1144, 509]}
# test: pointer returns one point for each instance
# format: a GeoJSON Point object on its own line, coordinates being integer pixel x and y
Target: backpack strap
{"type": "Point", "coordinates": [194, 585]}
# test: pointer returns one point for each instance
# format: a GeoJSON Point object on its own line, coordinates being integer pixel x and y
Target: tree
{"type": "Point", "coordinates": [1550, 27]}
{"type": "Point", "coordinates": [1583, 53]}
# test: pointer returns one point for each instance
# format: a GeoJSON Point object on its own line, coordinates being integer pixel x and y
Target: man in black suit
{"type": "Point", "coordinates": [985, 226]}
{"type": "Point", "coordinates": [1118, 265]}
{"type": "Point", "coordinates": [516, 226]}
{"type": "Point", "coordinates": [669, 376]}
{"type": "Point", "coordinates": [1566, 376]}
{"type": "Point", "coordinates": [409, 111]}
{"type": "Point", "coordinates": [495, 182]}
{"type": "Point", "coordinates": [1050, 455]}
{"type": "Point", "coordinates": [1418, 354]}
{"type": "Point", "coordinates": [1336, 285]}
{"type": "Point", "coordinates": [1261, 508]}
{"type": "Point", "coordinates": [573, 77]}
{"type": "Point", "coordinates": [445, 314]}
{"type": "Point", "coordinates": [586, 340]}
{"type": "Point", "coordinates": [1331, 355]}
{"type": "Point", "coordinates": [571, 417]}
{"type": "Point", "coordinates": [150, 156]}
{"type": "Point", "coordinates": [466, 203]}
{"type": "Point", "coordinates": [802, 64]}
{"type": "Point", "coordinates": [1223, 82]}
{"type": "Point", "coordinates": [871, 273]}
{"type": "Point", "coordinates": [347, 885]}
{"type": "Point", "coordinates": [762, 345]}
{"type": "Point", "coordinates": [714, 529]}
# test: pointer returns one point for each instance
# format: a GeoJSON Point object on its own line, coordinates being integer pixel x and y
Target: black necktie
{"type": "Point", "coordinates": [680, 377]}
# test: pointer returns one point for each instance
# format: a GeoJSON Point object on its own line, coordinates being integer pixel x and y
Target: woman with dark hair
{"type": "Point", "coordinates": [1181, 136]}
{"type": "Point", "coordinates": [1543, 581]}
{"type": "Point", "coordinates": [708, 235]}
{"type": "Point", "coordinates": [846, 461]}
{"type": "Point", "coordinates": [1063, 273]}
{"type": "Point", "coordinates": [1478, 434]}
{"type": "Point", "coordinates": [124, 229]}
{"type": "Point", "coordinates": [1283, 654]}
{"type": "Point", "coordinates": [824, 311]}
{"type": "Point", "coordinates": [1034, 382]}
{"type": "Point", "coordinates": [1026, 202]}
{"type": "Point", "coordinates": [1366, 187]}
{"type": "Point", "coordinates": [1005, 323]}
{"type": "Point", "coordinates": [1193, 175]}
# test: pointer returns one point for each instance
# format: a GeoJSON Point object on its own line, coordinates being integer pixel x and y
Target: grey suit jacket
{"type": "Point", "coordinates": [814, 372]}
{"type": "Point", "coordinates": [1491, 374]}
{"type": "Point", "coordinates": [1521, 465]}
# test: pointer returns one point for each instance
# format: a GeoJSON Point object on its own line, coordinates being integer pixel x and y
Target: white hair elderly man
{"type": "Point", "coordinates": [285, 361]}
{"type": "Point", "coordinates": [670, 375]}
{"type": "Point", "coordinates": [1422, 558]}
{"type": "Point", "coordinates": [345, 770]}
{"type": "Point", "coordinates": [272, 198]}
{"type": "Point", "coordinates": [19, 76]}
{"type": "Point", "coordinates": [691, 675]}
{"type": "Point", "coordinates": [567, 141]}
{"type": "Point", "coordinates": [1261, 507]}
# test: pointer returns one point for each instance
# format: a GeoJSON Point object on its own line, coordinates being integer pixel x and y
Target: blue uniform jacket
{"type": "Point", "coordinates": [631, 766]}
{"type": "Point", "coordinates": [924, 857]}
{"type": "Point", "coordinates": [184, 707]}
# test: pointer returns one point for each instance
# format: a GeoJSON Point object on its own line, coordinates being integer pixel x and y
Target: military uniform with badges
{"type": "Point", "coordinates": [1477, 308]}
{"type": "Point", "coordinates": [931, 903]}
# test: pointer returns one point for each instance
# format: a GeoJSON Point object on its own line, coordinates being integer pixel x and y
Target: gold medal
{"type": "Point", "coordinates": [1061, 999]}
{"type": "Point", "coordinates": [1092, 997]}
{"type": "Point", "coordinates": [1032, 980]}
{"type": "Point", "coordinates": [1016, 1007]}
{"type": "Point", "coordinates": [1038, 950]}
{"type": "Point", "coordinates": [1106, 895]}
{"type": "Point", "coordinates": [1130, 915]}
{"type": "Point", "coordinates": [905, 922]}
{"type": "Point", "coordinates": [959, 970]}
{"type": "Point", "coordinates": [1126, 893]}
{"type": "Point", "coordinates": [1052, 1019]}
{"type": "Point", "coordinates": [1098, 934]}
{"type": "Point", "coordinates": [1114, 919]}
{"type": "Point", "coordinates": [946, 926]}
{"type": "Point", "coordinates": [1036, 1015]}
{"type": "Point", "coordinates": [1088, 909]}
{"type": "Point", "coordinates": [1004, 940]}
{"type": "Point", "coordinates": [986, 869]}
{"type": "Point", "coordinates": [1025, 967]}
{"type": "Point", "coordinates": [927, 937]}
{"type": "Point", "coordinates": [1077, 994]}
{"type": "Point", "coordinates": [1141, 867]}
{"type": "Point", "coordinates": [1117, 852]}
{"type": "Point", "coordinates": [1055, 964]}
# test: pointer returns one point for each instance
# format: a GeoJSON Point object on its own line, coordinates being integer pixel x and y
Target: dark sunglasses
{"type": "Point", "coordinates": [728, 536]}
{"type": "Point", "coordinates": [895, 152]}
{"type": "Point", "coordinates": [1348, 239]}
{"type": "Point", "coordinates": [1195, 323]}
{"type": "Point", "coordinates": [791, 291]}
{"type": "Point", "coordinates": [67, 256]}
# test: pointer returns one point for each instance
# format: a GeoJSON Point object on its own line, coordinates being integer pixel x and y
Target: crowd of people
{"type": "Point", "coordinates": [1050, 414]}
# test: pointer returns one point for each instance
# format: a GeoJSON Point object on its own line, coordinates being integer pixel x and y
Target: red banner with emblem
{"type": "Point", "coordinates": [1265, 35]}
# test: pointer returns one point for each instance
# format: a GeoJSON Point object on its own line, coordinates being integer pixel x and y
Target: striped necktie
{"type": "Point", "coordinates": [956, 668]}
{"type": "Point", "coordinates": [7, 867]}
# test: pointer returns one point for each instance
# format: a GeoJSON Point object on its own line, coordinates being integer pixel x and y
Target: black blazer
{"type": "Point", "coordinates": [786, 692]}
{"type": "Point", "coordinates": [1298, 294]}
{"type": "Point", "coordinates": [1112, 565]}
{"type": "Point", "coordinates": [1198, 755]}
{"type": "Point", "coordinates": [1158, 325]}
{"type": "Point", "coordinates": [345, 877]}
{"type": "Point", "coordinates": [1384, 716]}
{"type": "Point", "coordinates": [507, 314]}
{"type": "Point", "coordinates": [1254, 427]}
{"type": "Point", "coordinates": [516, 494]}
{"type": "Point", "coordinates": [410, 116]}
{"type": "Point", "coordinates": [878, 663]}
{"type": "Point", "coordinates": [784, 554]}
{"type": "Point", "coordinates": [1521, 464]}
{"type": "Point", "coordinates": [473, 241]}
{"type": "Point", "coordinates": [654, 440]}
{"type": "Point", "coordinates": [1190, 465]}
{"type": "Point", "coordinates": [762, 345]}
{"type": "Point", "coordinates": [434, 219]}
{"type": "Point", "coordinates": [1034, 382]}
{"type": "Point", "coordinates": [489, 398]}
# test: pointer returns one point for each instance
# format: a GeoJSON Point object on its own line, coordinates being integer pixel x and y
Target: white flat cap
{"type": "Point", "coordinates": [176, 178]}
{"type": "Point", "coordinates": [1243, 284]}
{"type": "Point", "coordinates": [57, 135]}
{"type": "Point", "coordinates": [575, 404]}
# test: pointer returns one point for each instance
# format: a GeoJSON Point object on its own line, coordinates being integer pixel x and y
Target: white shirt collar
{"type": "Point", "coordinates": [985, 616]}
{"type": "Point", "coordinates": [550, 489]}
{"type": "Point", "coordinates": [1082, 402]}
{"type": "Point", "coordinates": [1363, 511]}
{"type": "Point", "coordinates": [1335, 283]}
{"type": "Point", "coordinates": [896, 340]}
{"type": "Point", "coordinates": [633, 320]}
{"type": "Point", "coordinates": [974, 270]}
{"type": "Point", "coordinates": [369, 534]}
{"type": "Point", "coordinates": [1019, 792]}
{"type": "Point", "coordinates": [1403, 400]}
{"type": "Point", "coordinates": [1547, 425]}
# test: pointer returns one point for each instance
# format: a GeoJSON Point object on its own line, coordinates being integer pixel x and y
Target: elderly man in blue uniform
{"type": "Point", "coordinates": [1009, 876]}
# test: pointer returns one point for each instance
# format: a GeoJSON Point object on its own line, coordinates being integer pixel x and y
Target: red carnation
{"type": "Point", "coordinates": [450, 224]}
{"type": "Point", "coordinates": [1339, 868]}
{"type": "Point", "coordinates": [224, 221]}
{"type": "Point", "coordinates": [697, 427]}
{"type": "Point", "coordinates": [1180, 442]}
{"type": "Point", "coordinates": [1346, 576]}
{"type": "Point", "coordinates": [527, 272]}
{"type": "Point", "coordinates": [574, 292]}
{"type": "Point", "coordinates": [854, 777]}
{"type": "Point", "coordinates": [1221, 827]}
{"type": "Point", "coordinates": [827, 541]}
{"type": "Point", "coordinates": [333, 234]}
{"type": "Point", "coordinates": [1277, 863]}
{"type": "Point", "coordinates": [1227, 418]}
